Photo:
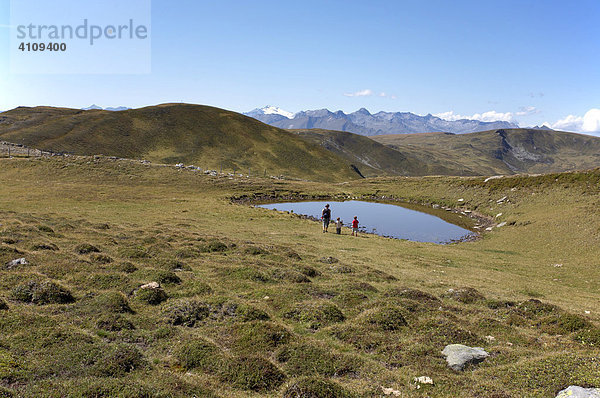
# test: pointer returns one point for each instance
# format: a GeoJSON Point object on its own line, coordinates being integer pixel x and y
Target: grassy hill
{"type": "Point", "coordinates": [501, 151]}
{"type": "Point", "coordinates": [373, 158]}
{"type": "Point", "coordinates": [171, 133]}
{"type": "Point", "coordinates": [250, 305]}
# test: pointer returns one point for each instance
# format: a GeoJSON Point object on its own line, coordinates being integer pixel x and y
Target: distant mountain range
{"type": "Point", "coordinates": [364, 123]}
{"type": "Point", "coordinates": [96, 107]}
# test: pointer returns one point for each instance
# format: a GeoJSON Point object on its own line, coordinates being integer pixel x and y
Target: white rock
{"type": "Point", "coordinates": [489, 228]}
{"type": "Point", "coordinates": [423, 380]}
{"type": "Point", "coordinates": [557, 265]}
{"type": "Point", "coordinates": [461, 200]}
{"type": "Point", "coordinates": [492, 178]}
{"type": "Point", "coordinates": [502, 199]}
{"type": "Point", "coordinates": [391, 391]}
{"type": "Point", "coordinates": [579, 392]}
{"type": "Point", "coordinates": [458, 355]}
{"type": "Point", "coordinates": [587, 312]}
{"type": "Point", "coordinates": [151, 285]}
{"type": "Point", "coordinates": [498, 215]}
{"type": "Point", "coordinates": [490, 339]}
{"type": "Point", "coordinates": [501, 224]}
{"type": "Point", "coordinates": [16, 262]}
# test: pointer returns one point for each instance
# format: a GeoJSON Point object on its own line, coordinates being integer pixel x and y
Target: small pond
{"type": "Point", "coordinates": [383, 219]}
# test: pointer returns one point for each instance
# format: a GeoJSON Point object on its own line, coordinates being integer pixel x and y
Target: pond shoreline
{"type": "Point", "coordinates": [481, 222]}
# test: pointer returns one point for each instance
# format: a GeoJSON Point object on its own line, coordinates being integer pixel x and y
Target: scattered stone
{"type": "Point", "coordinates": [498, 215]}
{"type": "Point", "coordinates": [458, 356]}
{"type": "Point", "coordinates": [502, 199]}
{"type": "Point", "coordinates": [579, 392]}
{"type": "Point", "coordinates": [501, 224]}
{"type": "Point", "coordinates": [461, 200]}
{"type": "Point", "coordinates": [151, 285]}
{"type": "Point", "coordinates": [558, 265]}
{"type": "Point", "coordinates": [423, 380]}
{"type": "Point", "coordinates": [490, 339]}
{"type": "Point", "coordinates": [329, 260]}
{"type": "Point", "coordinates": [391, 391]}
{"type": "Point", "coordinates": [489, 228]}
{"type": "Point", "coordinates": [16, 262]}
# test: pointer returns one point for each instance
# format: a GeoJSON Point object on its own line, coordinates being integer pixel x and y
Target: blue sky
{"type": "Point", "coordinates": [526, 61]}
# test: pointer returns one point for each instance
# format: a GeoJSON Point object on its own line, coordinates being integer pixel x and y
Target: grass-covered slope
{"type": "Point", "coordinates": [373, 158]}
{"type": "Point", "coordinates": [250, 304]}
{"type": "Point", "coordinates": [172, 133]}
{"type": "Point", "coordinates": [506, 151]}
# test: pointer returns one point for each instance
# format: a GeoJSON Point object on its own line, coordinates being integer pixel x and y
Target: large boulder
{"type": "Point", "coordinates": [458, 356]}
{"type": "Point", "coordinates": [579, 392]}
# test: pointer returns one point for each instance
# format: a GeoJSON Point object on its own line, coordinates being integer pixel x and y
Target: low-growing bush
{"type": "Point", "coordinates": [45, 228]}
{"type": "Point", "coordinates": [387, 318]}
{"type": "Point", "coordinates": [563, 323]}
{"type": "Point", "coordinates": [202, 355]}
{"type": "Point", "coordinates": [119, 360]}
{"type": "Point", "coordinates": [316, 314]}
{"type": "Point", "coordinates": [114, 302]}
{"type": "Point", "coordinates": [214, 246]}
{"type": "Point", "coordinates": [166, 277]}
{"type": "Point", "coordinates": [589, 337]}
{"type": "Point", "coordinates": [288, 275]}
{"type": "Point", "coordinates": [185, 312]}
{"type": "Point", "coordinates": [259, 336]}
{"type": "Point", "coordinates": [3, 305]}
{"type": "Point", "coordinates": [315, 387]}
{"type": "Point", "coordinates": [127, 267]}
{"type": "Point", "coordinates": [535, 308]}
{"type": "Point", "coordinates": [8, 366]}
{"type": "Point", "coordinates": [86, 248]}
{"type": "Point", "coordinates": [152, 296]}
{"type": "Point", "coordinates": [252, 373]}
{"type": "Point", "coordinates": [113, 323]}
{"type": "Point", "coordinates": [45, 246]}
{"type": "Point", "coordinates": [312, 359]}
{"type": "Point", "coordinates": [467, 295]}
{"type": "Point", "coordinates": [101, 258]}
{"type": "Point", "coordinates": [40, 293]}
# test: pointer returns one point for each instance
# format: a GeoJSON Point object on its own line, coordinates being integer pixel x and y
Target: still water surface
{"type": "Point", "coordinates": [383, 219]}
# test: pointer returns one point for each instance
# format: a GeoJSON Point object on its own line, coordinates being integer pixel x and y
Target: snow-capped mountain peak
{"type": "Point", "coordinates": [274, 110]}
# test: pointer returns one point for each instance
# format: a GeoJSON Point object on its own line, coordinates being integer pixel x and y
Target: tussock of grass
{"type": "Point", "coordinates": [41, 293]}
{"type": "Point", "coordinates": [313, 387]}
{"type": "Point", "coordinates": [185, 312]}
{"type": "Point", "coordinates": [252, 373]}
{"type": "Point", "coordinates": [316, 314]}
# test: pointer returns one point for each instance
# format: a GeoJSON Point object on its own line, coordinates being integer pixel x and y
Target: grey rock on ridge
{"type": "Point", "coordinates": [579, 392]}
{"type": "Point", "coordinates": [364, 123]}
{"type": "Point", "coordinates": [458, 355]}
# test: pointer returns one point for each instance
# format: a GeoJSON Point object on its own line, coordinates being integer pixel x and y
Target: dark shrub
{"type": "Point", "coordinates": [248, 313]}
{"type": "Point", "coordinates": [412, 294]}
{"type": "Point", "coordinates": [293, 255]}
{"type": "Point", "coordinates": [589, 337]}
{"type": "Point", "coordinates": [114, 323]}
{"type": "Point", "coordinates": [185, 312]}
{"type": "Point", "coordinates": [42, 293]}
{"type": "Point", "coordinates": [151, 296]}
{"type": "Point", "coordinates": [315, 387]}
{"type": "Point", "coordinates": [101, 258]}
{"type": "Point", "coordinates": [45, 228]}
{"type": "Point", "coordinates": [316, 314]}
{"type": "Point", "coordinates": [309, 271]}
{"type": "Point", "coordinates": [535, 308]}
{"type": "Point", "coordinates": [291, 276]}
{"type": "Point", "coordinates": [200, 354]}
{"type": "Point", "coordinates": [466, 295]}
{"type": "Point", "coordinates": [113, 302]}
{"type": "Point", "coordinates": [563, 323]}
{"type": "Point", "coordinates": [167, 277]}
{"type": "Point", "coordinates": [3, 305]}
{"type": "Point", "coordinates": [255, 251]}
{"type": "Point", "coordinates": [119, 361]}
{"type": "Point", "coordinates": [45, 246]}
{"type": "Point", "coordinates": [253, 373]}
{"type": "Point", "coordinates": [387, 318]}
{"type": "Point", "coordinates": [86, 248]}
{"type": "Point", "coordinates": [257, 336]}
{"type": "Point", "coordinates": [311, 359]}
{"type": "Point", "coordinates": [214, 246]}
{"type": "Point", "coordinates": [329, 260]}
{"type": "Point", "coordinates": [127, 267]}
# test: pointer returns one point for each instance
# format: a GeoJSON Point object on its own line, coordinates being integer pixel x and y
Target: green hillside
{"type": "Point", "coordinates": [373, 158]}
{"type": "Point", "coordinates": [249, 302]}
{"type": "Point", "coordinates": [171, 133]}
{"type": "Point", "coordinates": [501, 151]}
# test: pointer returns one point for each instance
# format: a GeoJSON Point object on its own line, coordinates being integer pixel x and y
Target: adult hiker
{"type": "Point", "coordinates": [355, 226]}
{"type": "Point", "coordinates": [326, 217]}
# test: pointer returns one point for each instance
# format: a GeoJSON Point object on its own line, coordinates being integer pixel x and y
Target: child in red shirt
{"type": "Point", "coordinates": [355, 226]}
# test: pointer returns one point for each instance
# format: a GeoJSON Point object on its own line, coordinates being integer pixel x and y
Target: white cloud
{"type": "Point", "coordinates": [489, 116]}
{"type": "Point", "coordinates": [361, 93]}
{"type": "Point", "coordinates": [589, 123]}
{"type": "Point", "coordinates": [527, 110]}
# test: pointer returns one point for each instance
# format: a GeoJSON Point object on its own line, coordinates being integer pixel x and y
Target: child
{"type": "Point", "coordinates": [355, 226]}
{"type": "Point", "coordinates": [338, 226]}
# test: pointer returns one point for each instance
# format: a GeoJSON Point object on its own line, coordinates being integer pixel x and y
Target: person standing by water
{"type": "Point", "coordinates": [326, 217]}
{"type": "Point", "coordinates": [338, 226]}
{"type": "Point", "coordinates": [355, 226]}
